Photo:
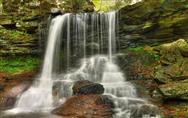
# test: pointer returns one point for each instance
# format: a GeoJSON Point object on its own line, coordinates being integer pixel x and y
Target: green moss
{"type": "Point", "coordinates": [172, 19]}
{"type": "Point", "coordinates": [186, 6]}
{"type": "Point", "coordinates": [137, 49]}
{"type": "Point", "coordinates": [147, 25]}
{"type": "Point", "coordinates": [18, 64]}
{"type": "Point", "coordinates": [13, 35]}
{"type": "Point", "coordinates": [146, 56]}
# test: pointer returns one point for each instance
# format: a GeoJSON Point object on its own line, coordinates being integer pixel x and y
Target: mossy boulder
{"type": "Point", "coordinates": [161, 66]}
{"type": "Point", "coordinates": [175, 90]}
{"type": "Point", "coordinates": [173, 62]}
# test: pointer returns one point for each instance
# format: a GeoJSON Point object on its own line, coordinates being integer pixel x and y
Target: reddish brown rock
{"type": "Point", "coordinates": [86, 106]}
{"type": "Point", "coordinates": [9, 96]}
{"type": "Point", "coordinates": [11, 86]}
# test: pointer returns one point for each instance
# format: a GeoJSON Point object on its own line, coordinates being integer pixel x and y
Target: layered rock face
{"type": "Point", "coordinates": [20, 22]}
{"type": "Point", "coordinates": [23, 24]}
{"type": "Point", "coordinates": [88, 102]}
{"type": "Point", "coordinates": [150, 30]}
{"type": "Point", "coordinates": [153, 22]}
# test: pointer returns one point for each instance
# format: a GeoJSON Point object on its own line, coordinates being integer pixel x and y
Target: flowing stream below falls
{"type": "Point", "coordinates": [90, 44]}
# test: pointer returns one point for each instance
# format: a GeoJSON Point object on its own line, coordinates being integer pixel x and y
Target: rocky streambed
{"type": "Point", "coordinates": [87, 101]}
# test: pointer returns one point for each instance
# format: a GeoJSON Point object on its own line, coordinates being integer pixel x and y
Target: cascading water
{"type": "Point", "coordinates": [90, 38]}
{"type": "Point", "coordinates": [101, 67]}
{"type": "Point", "coordinates": [39, 96]}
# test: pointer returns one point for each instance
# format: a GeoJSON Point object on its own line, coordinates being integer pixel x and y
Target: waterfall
{"type": "Point", "coordinates": [39, 96]}
{"type": "Point", "coordinates": [89, 38]}
{"type": "Point", "coordinates": [111, 34]}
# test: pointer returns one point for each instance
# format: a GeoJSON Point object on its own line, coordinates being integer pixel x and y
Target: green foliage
{"type": "Point", "coordinates": [13, 34]}
{"type": "Point", "coordinates": [14, 65]}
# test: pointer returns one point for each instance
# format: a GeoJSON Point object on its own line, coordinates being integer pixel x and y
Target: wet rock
{"type": "Point", "coordinates": [9, 96]}
{"type": "Point", "coordinates": [88, 102]}
{"type": "Point", "coordinates": [61, 89]}
{"type": "Point", "coordinates": [144, 111]}
{"type": "Point", "coordinates": [7, 102]}
{"type": "Point", "coordinates": [85, 87]}
{"type": "Point", "coordinates": [86, 106]}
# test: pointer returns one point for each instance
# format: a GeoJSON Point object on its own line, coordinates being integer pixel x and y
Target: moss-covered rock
{"type": "Point", "coordinates": [156, 21]}
{"type": "Point", "coordinates": [138, 62]}
{"type": "Point", "coordinates": [173, 62]}
{"type": "Point", "coordinates": [17, 42]}
{"type": "Point", "coordinates": [163, 65]}
{"type": "Point", "coordinates": [22, 22]}
{"type": "Point", "coordinates": [178, 90]}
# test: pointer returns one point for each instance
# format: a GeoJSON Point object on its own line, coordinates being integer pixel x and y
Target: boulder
{"type": "Point", "coordinates": [173, 62]}
{"type": "Point", "coordinates": [85, 87]}
{"type": "Point", "coordinates": [86, 106]}
{"type": "Point", "coordinates": [88, 102]}
{"type": "Point", "coordinates": [175, 90]}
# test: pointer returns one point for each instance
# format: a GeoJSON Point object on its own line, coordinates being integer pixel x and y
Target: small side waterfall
{"type": "Point", "coordinates": [91, 39]}
{"type": "Point", "coordinates": [39, 96]}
